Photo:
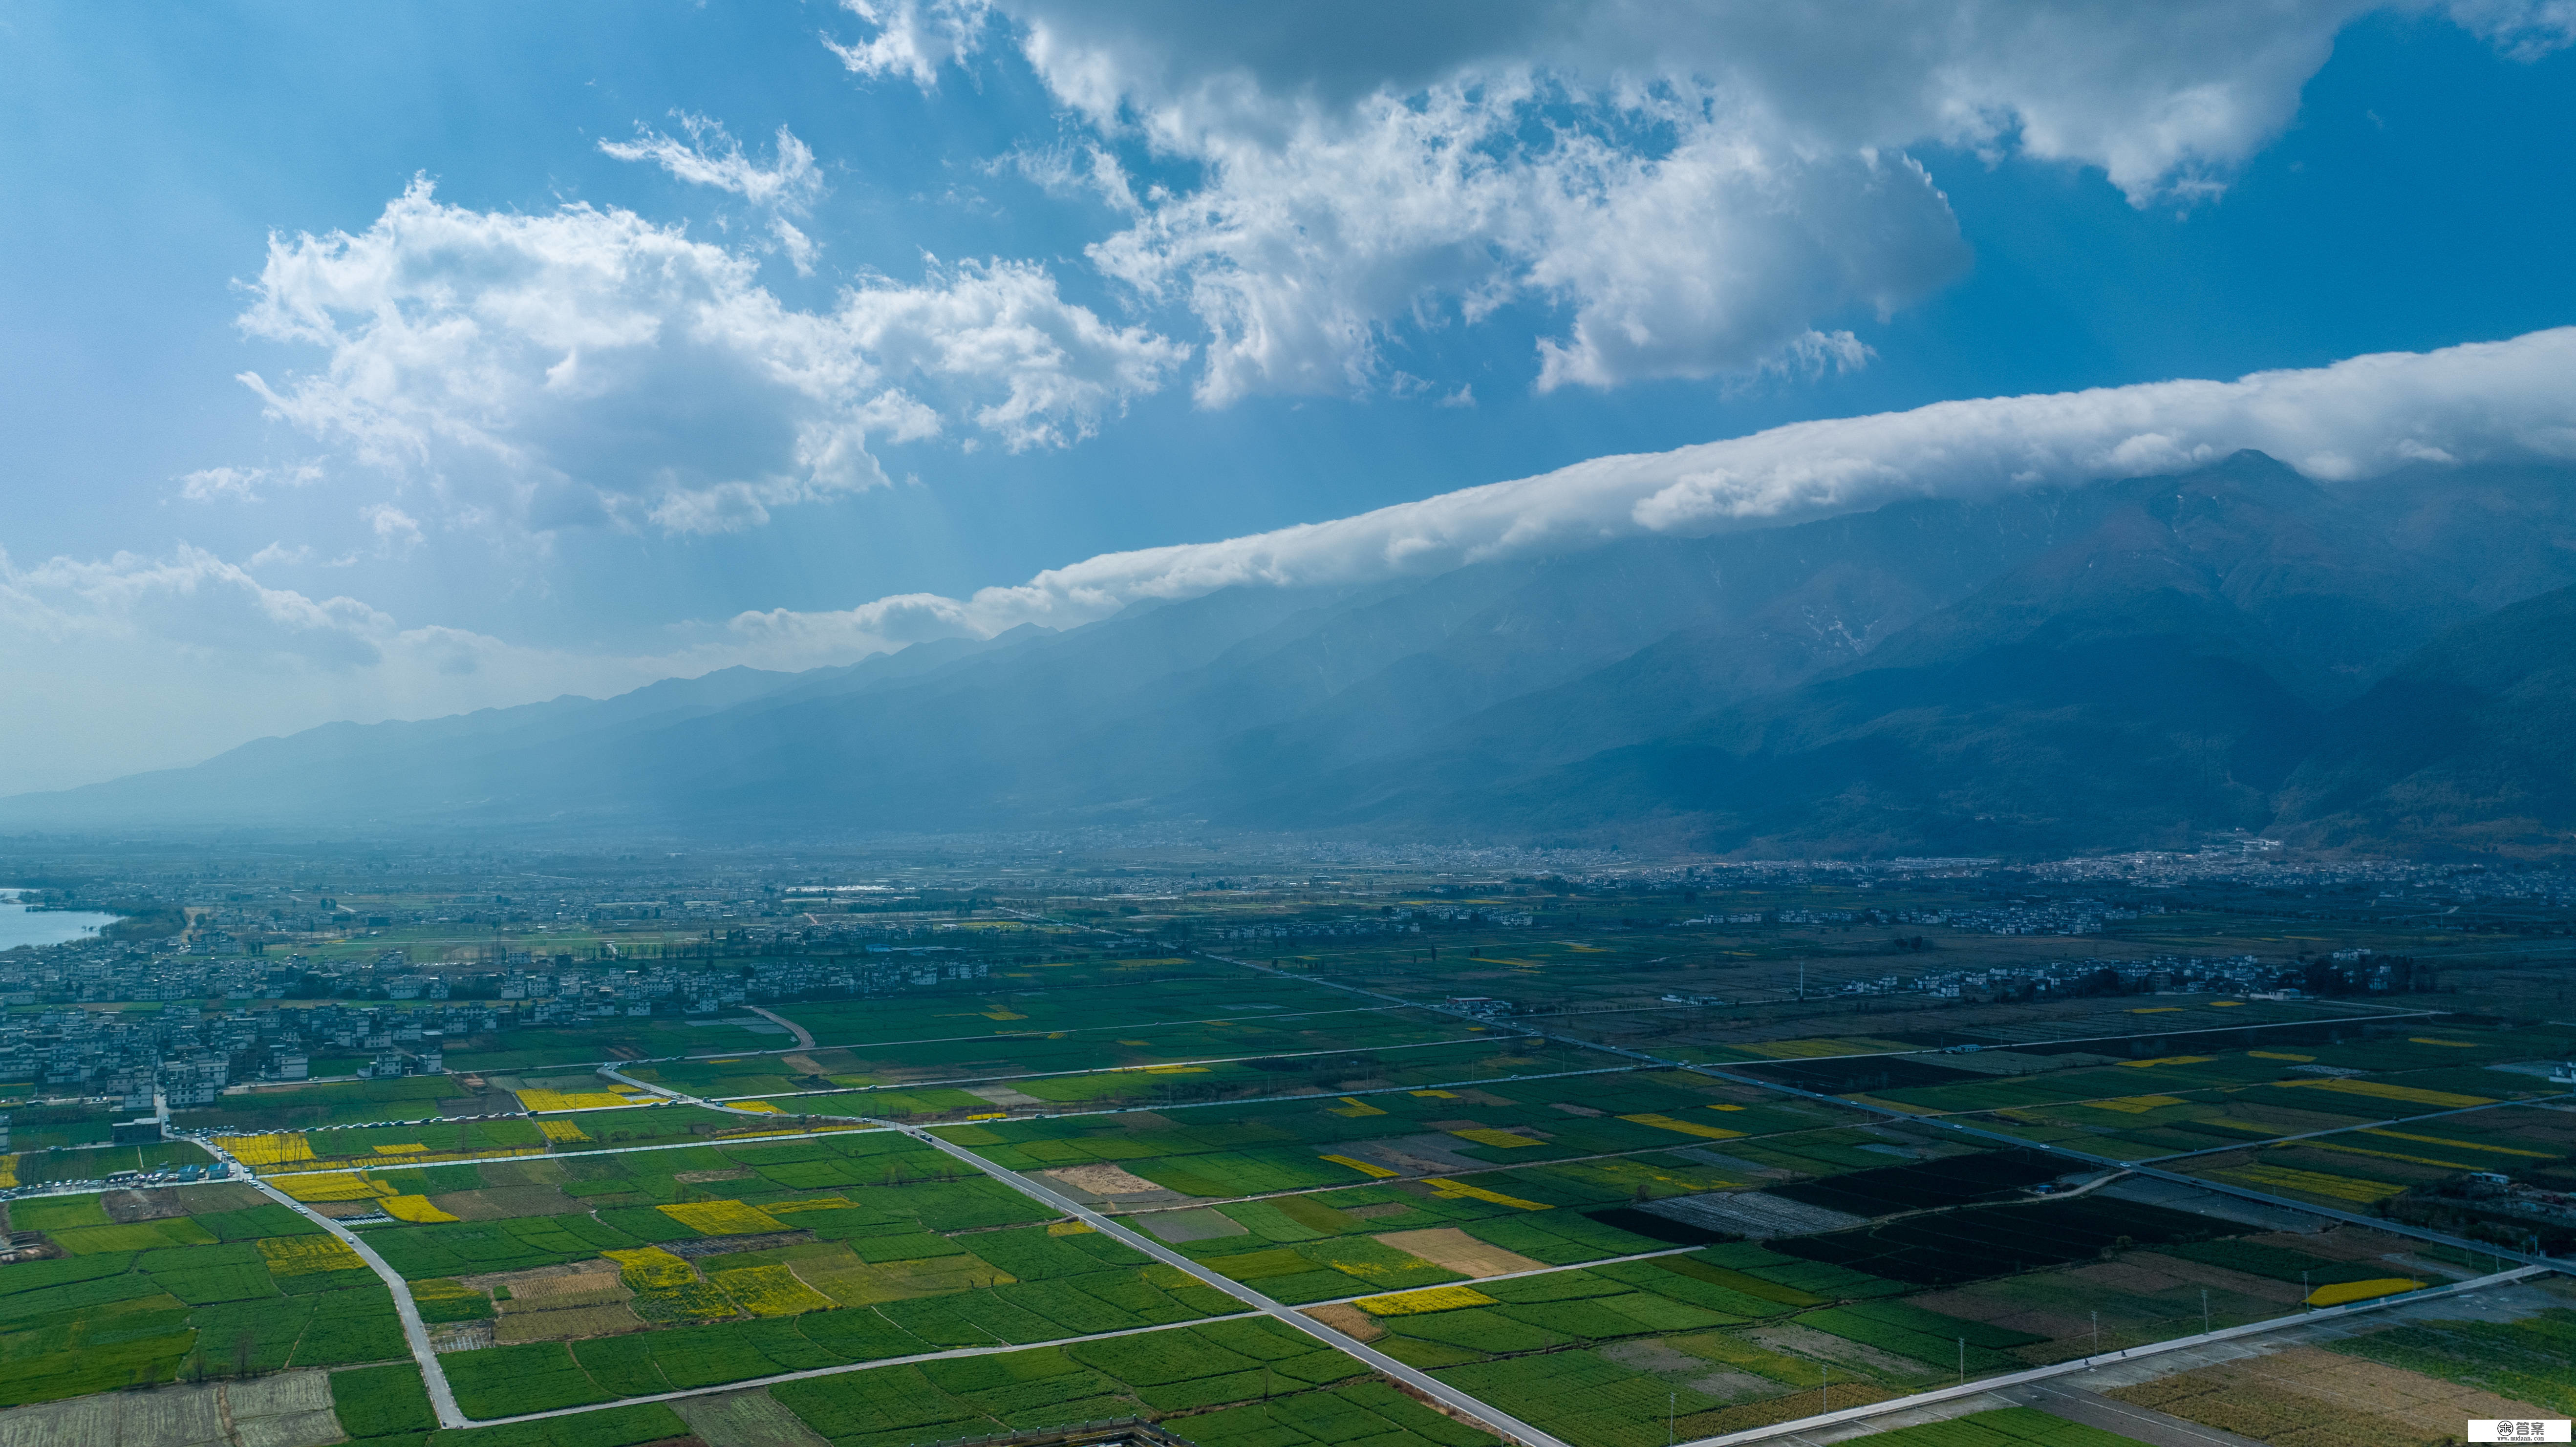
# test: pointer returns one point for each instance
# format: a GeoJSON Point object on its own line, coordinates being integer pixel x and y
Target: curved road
{"type": "Point", "coordinates": [442, 1398]}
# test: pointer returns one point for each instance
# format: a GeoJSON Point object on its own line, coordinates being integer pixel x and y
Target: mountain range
{"type": "Point", "coordinates": [2381, 666]}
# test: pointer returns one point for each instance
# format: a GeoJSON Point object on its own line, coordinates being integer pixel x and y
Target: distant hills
{"type": "Point", "coordinates": [2382, 666]}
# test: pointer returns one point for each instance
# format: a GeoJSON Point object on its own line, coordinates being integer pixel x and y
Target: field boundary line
{"type": "Point", "coordinates": [809, 1373]}
{"type": "Point", "coordinates": [442, 1397]}
{"type": "Point", "coordinates": [2365, 1125]}
{"type": "Point", "coordinates": [2125, 1354]}
{"type": "Point", "coordinates": [2081, 1158]}
{"type": "Point", "coordinates": [1511, 1429]}
{"type": "Point", "coordinates": [1204, 1060]}
{"type": "Point", "coordinates": [1503, 1276]}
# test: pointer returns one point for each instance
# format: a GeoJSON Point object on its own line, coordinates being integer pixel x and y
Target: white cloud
{"type": "Point", "coordinates": [1695, 190]}
{"type": "Point", "coordinates": [912, 39]}
{"type": "Point", "coordinates": [589, 367]}
{"type": "Point", "coordinates": [788, 186]}
{"type": "Point", "coordinates": [215, 484]}
{"type": "Point", "coordinates": [2499, 401]}
{"type": "Point", "coordinates": [105, 640]}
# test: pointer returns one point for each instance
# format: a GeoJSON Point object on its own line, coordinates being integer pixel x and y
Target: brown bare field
{"type": "Point", "coordinates": [550, 1288]}
{"type": "Point", "coordinates": [1450, 1247]}
{"type": "Point", "coordinates": [572, 1323]}
{"type": "Point", "coordinates": [127, 1207]}
{"type": "Point", "coordinates": [1102, 1179]}
{"type": "Point", "coordinates": [1348, 1320]}
{"type": "Point", "coordinates": [494, 1203]}
{"type": "Point", "coordinates": [2304, 1397]}
{"type": "Point", "coordinates": [729, 1173]}
{"type": "Point", "coordinates": [1818, 1346]}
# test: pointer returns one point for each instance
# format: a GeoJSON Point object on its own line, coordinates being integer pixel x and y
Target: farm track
{"type": "Point", "coordinates": [1509, 1428]}
{"type": "Point", "coordinates": [449, 1415]}
{"type": "Point", "coordinates": [442, 1398]}
{"type": "Point", "coordinates": [2012, 1380]}
{"type": "Point", "coordinates": [2081, 1158]}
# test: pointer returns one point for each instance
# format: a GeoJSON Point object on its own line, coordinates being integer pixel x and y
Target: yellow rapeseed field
{"type": "Point", "coordinates": [1452, 1190]}
{"type": "Point", "coordinates": [333, 1186]}
{"type": "Point", "coordinates": [1416, 1303]}
{"type": "Point", "coordinates": [770, 1291]}
{"type": "Point", "coordinates": [761, 1105]}
{"type": "Point", "coordinates": [2315, 1183]}
{"type": "Point", "coordinates": [1686, 1127]}
{"type": "Point", "coordinates": [723, 1218]}
{"type": "Point", "coordinates": [262, 1151]}
{"type": "Point", "coordinates": [2382, 1090]}
{"type": "Point", "coordinates": [650, 1266]}
{"type": "Point", "coordinates": [818, 1203]}
{"type": "Point", "coordinates": [415, 1209]}
{"type": "Point", "coordinates": [562, 1130]}
{"type": "Point", "coordinates": [305, 1255]}
{"type": "Point", "coordinates": [2136, 1104]}
{"type": "Point", "coordinates": [8, 1172]}
{"type": "Point", "coordinates": [1363, 1167]}
{"type": "Point", "coordinates": [401, 1150]}
{"type": "Point", "coordinates": [545, 1100]}
{"type": "Point", "coordinates": [2337, 1293]}
{"type": "Point", "coordinates": [1507, 1140]}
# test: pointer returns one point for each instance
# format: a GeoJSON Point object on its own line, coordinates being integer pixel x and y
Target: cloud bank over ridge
{"type": "Point", "coordinates": [261, 659]}
{"type": "Point", "coordinates": [2509, 401]}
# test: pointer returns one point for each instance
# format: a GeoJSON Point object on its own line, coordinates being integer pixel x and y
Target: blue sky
{"type": "Point", "coordinates": [1713, 228]}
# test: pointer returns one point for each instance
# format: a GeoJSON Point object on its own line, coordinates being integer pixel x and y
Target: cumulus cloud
{"type": "Point", "coordinates": [2487, 402]}
{"type": "Point", "coordinates": [1692, 190]}
{"type": "Point", "coordinates": [587, 366]}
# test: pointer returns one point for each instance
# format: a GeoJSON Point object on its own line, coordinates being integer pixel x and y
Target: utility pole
{"type": "Point", "coordinates": [2097, 1333]}
{"type": "Point", "coordinates": [1963, 1361]}
{"type": "Point", "coordinates": [1672, 1410]}
{"type": "Point", "coordinates": [1828, 1404]}
{"type": "Point", "coordinates": [2204, 1311]}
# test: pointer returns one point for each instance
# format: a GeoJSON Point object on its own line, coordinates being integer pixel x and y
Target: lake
{"type": "Point", "coordinates": [20, 925]}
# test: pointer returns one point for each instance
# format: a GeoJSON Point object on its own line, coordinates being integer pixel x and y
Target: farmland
{"type": "Point", "coordinates": [1430, 1141]}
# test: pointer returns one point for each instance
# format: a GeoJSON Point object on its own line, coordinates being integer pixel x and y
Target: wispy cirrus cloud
{"type": "Point", "coordinates": [787, 187]}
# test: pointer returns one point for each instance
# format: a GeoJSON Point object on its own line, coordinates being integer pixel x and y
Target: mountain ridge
{"type": "Point", "coordinates": [2127, 664]}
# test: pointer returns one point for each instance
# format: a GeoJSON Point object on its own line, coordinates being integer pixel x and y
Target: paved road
{"type": "Point", "coordinates": [442, 1398]}
{"type": "Point", "coordinates": [2145, 1424]}
{"type": "Point", "coordinates": [804, 1037]}
{"type": "Point", "coordinates": [1510, 1428]}
{"type": "Point", "coordinates": [1792, 1431]}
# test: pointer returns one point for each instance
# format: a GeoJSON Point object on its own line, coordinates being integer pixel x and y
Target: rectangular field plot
{"type": "Point", "coordinates": [1224, 1151]}
{"type": "Point", "coordinates": [1248, 1383]}
{"type": "Point", "coordinates": [709, 1311]}
{"type": "Point", "coordinates": [1967, 1245]}
{"type": "Point", "coordinates": [147, 1312]}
